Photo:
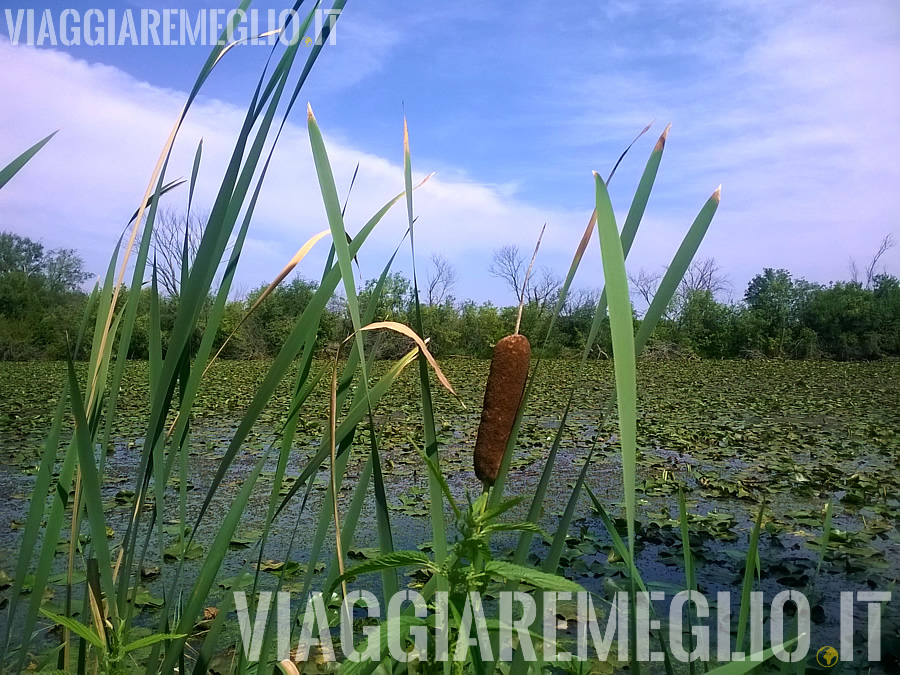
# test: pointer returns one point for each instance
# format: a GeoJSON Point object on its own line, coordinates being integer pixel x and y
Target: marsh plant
{"type": "Point", "coordinates": [103, 575]}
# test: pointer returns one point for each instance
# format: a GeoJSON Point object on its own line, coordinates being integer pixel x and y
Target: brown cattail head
{"type": "Point", "coordinates": [502, 396]}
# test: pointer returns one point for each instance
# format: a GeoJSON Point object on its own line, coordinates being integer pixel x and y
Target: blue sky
{"type": "Point", "coordinates": [794, 107]}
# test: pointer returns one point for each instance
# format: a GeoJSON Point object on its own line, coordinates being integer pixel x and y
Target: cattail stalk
{"type": "Point", "coordinates": [503, 393]}
{"type": "Point", "coordinates": [502, 396]}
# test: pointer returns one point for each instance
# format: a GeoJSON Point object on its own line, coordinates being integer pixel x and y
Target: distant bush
{"type": "Point", "coordinates": [780, 317]}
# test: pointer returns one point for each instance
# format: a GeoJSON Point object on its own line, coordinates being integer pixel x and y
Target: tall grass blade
{"type": "Point", "coordinates": [292, 345]}
{"type": "Point", "coordinates": [826, 537]}
{"type": "Point", "coordinates": [174, 370]}
{"type": "Point", "coordinates": [345, 443]}
{"type": "Point", "coordinates": [622, 550]}
{"type": "Point", "coordinates": [750, 567]}
{"type": "Point", "coordinates": [41, 487]}
{"type": "Point", "coordinates": [622, 330]}
{"type": "Point", "coordinates": [11, 169]}
{"type": "Point", "coordinates": [342, 250]}
{"type": "Point", "coordinates": [360, 492]}
{"type": "Point", "coordinates": [435, 494]}
{"type": "Point", "coordinates": [621, 326]}
{"type": "Point", "coordinates": [800, 668]}
{"type": "Point", "coordinates": [37, 509]}
{"type": "Point", "coordinates": [154, 348]}
{"type": "Point", "coordinates": [212, 563]}
{"type": "Point", "coordinates": [629, 230]}
{"type": "Point", "coordinates": [91, 483]}
{"type": "Point", "coordinates": [690, 580]}
{"type": "Point", "coordinates": [676, 270]}
{"type": "Point", "coordinates": [292, 263]}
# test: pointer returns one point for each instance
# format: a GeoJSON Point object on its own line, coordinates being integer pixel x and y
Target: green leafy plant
{"type": "Point", "coordinates": [112, 653]}
{"type": "Point", "coordinates": [469, 567]}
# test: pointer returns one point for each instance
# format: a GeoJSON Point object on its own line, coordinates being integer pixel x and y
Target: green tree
{"type": "Point", "coordinates": [395, 300]}
{"type": "Point", "coordinates": [266, 330]}
{"type": "Point", "coordinates": [707, 325]}
{"type": "Point", "coordinates": [441, 324]}
{"type": "Point", "coordinates": [64, 270]}
{"type": "Point", "coordinates": [20, 254]}
{"type": "Point", "coordinates": [481, 327]}
{"type": "Point", "coordinates": [775, 302]}
{"type": "Point", "coordinates": [40, 298]}
{"type": "Point", "coordinates": [846, 320]}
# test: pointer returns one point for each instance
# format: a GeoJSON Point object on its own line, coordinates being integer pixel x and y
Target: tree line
{"type": "Point", "coordinates": [42, 304]}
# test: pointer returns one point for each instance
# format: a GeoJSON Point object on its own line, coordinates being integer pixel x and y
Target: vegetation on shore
{"type": "Point", "coordinates": [778, 316]}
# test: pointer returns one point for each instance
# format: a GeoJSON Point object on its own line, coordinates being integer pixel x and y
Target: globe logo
{"type": "Point", "coordinates": [827, 656]}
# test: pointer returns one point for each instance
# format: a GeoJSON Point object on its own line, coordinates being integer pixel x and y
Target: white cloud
{"type": "Point", "coordinates": [794, 107]}
{"type": "Point", "coordinates": [79, 190]}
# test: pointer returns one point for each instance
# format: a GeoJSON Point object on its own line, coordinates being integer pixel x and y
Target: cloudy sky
{"type": "Point", "coordinates": [794, 107]}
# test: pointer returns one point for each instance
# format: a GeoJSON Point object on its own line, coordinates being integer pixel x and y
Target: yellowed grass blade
{"type": "Point", "coordinates": [129, 247]}
{"type": "Point", "coordinates": [301, 254]}
{"type": "Point", "coordinates": [412, 335]}
{"type": "Point", "coordinates": [586, 237]}
{"type": "Point", "coordinates": [288, 668]}
{"type": "Point", "coordinates": [235, 43]}
{"type": "Point", "coordinates": [92, 388]}
{"type": "Point", "coordinates": [661, 143]}
{"type": "Point", "coordinates": [527, 277]}
{"type": "Point", "coordinates": [97, 614]}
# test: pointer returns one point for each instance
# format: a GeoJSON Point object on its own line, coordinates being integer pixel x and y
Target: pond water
{"type": "Point", "coordinates": [732, 435]}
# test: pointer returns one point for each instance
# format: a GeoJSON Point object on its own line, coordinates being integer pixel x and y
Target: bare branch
{"type": "Point", "coordinates": [705, 275]}
{"type": "Point", "coordinates": [169, 245]}
{"type": "Point", "coordinates": [508, 264]}
{"type": "Point", "coordinates": [854, 270]}
{"type": "Point", "coordinates": [440, 280]}
{"type": "Point", "coordinates": [645, 283]}
{"type": "Point", "coordinates": [702, 275]}
{"type": "Point", "coordinates": [871, 269]}
{"type": "Point", "coordinates": [543, 287]}
{"type": "Point", "coordinates": [579, 300]}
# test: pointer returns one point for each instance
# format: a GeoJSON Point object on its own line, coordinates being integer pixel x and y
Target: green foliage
{"type": "Point", "coordinates": [708, 326]}
{"type": "Point", "coordinates": [109, 646]}
{"type": "Point", "coordinates": [265, 330]}
{"type": "Point", "coordinates": [20, 254]}
{"type": "Point", "coordinates": [852, 322]}
{"type": "Point", "coordinates": [41, 301]}
{"type": "Point", "coordinates": [40, 298]}
{"type": "Point", "coordinates": [783, 317]}
{"type": "Point", "coordinates": [780, 318]}
{"type": "Point", "coordinates": [468, 568]}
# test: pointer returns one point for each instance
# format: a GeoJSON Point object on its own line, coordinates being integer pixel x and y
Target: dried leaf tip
{"type": "Point", "coordinates": [717, 195]}
{"type": "Point", "coordinates": [661, 143]}
{"type": "Point", "coordinates": [309, 113]}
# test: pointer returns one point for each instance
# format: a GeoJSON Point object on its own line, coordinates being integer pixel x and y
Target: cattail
{"type": "Point", "coordinates": [502, 396]}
